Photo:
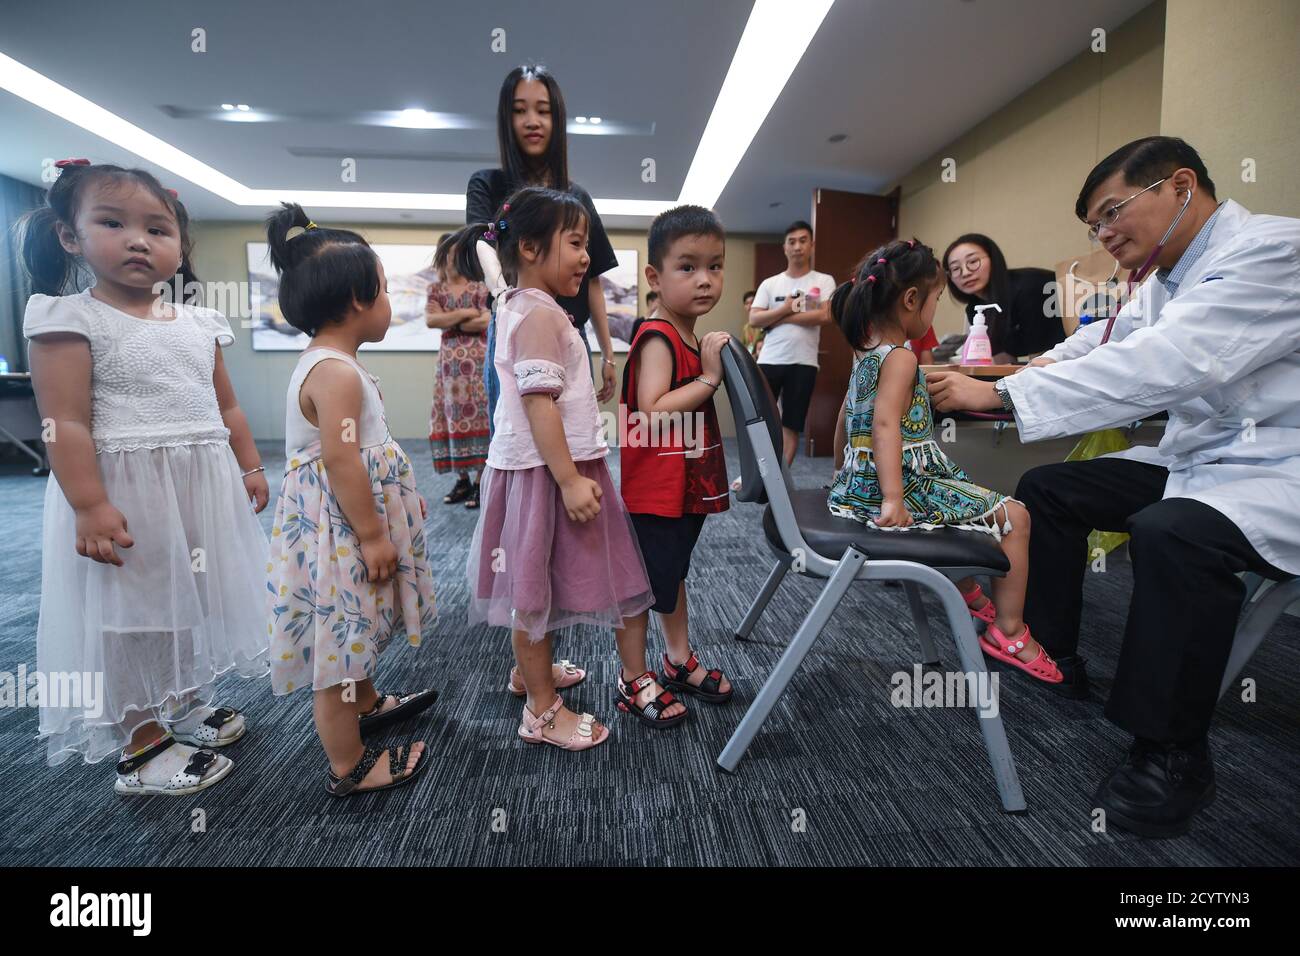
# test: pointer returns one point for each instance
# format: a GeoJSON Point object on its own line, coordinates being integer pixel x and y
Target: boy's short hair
{"type": "Point", "coordinates": [673, 224]}
{"type": "Point", "coordinates": [796, 226]}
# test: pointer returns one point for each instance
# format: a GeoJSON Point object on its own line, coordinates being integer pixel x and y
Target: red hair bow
{"type": "Point", "coordinates": [173, 193]}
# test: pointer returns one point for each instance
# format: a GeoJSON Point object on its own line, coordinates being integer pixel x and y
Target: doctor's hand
{"type": "Point", "coordinates": [956, 392]}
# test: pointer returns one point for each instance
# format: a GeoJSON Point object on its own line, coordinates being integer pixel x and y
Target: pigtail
{"type": "Point", "coordinates": [50, 266]}
{"type": "Point", "coordinates": [878, 280]}
{"type": "Point", "coordinates": [290, 216]}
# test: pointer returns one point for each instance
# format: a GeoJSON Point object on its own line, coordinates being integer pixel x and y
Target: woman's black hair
{"type": "Point", "coordinates": [54, 270]}
{"type": "Point", "coordinates": [322, 271]}
{"type": "Point", "coordinates": [998, 289]}
{"type": "Point", "coordinates": [878, 280]}
{"type": "Point", "coordinates": [519, 169]}
{"type": "Point", "coordinates": [532, 214]}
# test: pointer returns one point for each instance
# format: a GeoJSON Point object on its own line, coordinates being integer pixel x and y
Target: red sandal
{"type": "Point", "coordinates": [653, 712]}
{"type": "Point", "coordinates": [708, 689]}
{"type": "Point", "coordinates": [1000, 647]}
{"type": "Point", "coordinates": [988, 613]}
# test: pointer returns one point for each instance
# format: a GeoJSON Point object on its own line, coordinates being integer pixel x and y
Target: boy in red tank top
{"type": "Point", "coordinates": [673, 471]}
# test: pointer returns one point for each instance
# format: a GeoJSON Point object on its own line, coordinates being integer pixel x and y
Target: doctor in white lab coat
{"type": "Point", "coordinates": [1213, 338]}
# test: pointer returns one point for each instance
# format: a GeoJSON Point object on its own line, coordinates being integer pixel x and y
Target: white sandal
{"type": "Point", "coordinates": [191, 778]}
{"type": "Point", "coordinates": [220, 728]}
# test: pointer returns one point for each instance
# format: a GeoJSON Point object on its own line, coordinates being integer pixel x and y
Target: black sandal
{"type": "Point", "coordinates": [472, 501]}
{"type": "Point", "coordinates": [651, 713]}
{"type": "Point", "coordinates": [351, 784]}
{"type": "Point", "coordinates": [675, 677]}
{"type": "Point", "coordinates": [408, 705]}
{"type": "Point", "coordinates": [459, 492]}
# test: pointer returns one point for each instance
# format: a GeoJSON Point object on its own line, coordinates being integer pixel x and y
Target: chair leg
{"type": "Point", "coordinates": [818, 616]}
{"type": "Point", "coordinates": [774, 579]}
{"type": "Point", "coordinates": [1256, 622]}
{"type": "Point", "coordinates": [995, 734]}
{"type": "Point", "coordinates": [929, 655]}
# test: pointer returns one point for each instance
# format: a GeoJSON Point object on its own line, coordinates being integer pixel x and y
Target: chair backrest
{"type": "Point", "coordinates": [751, 402]}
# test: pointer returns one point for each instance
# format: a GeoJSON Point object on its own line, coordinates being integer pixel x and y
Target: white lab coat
{"type": "Point", "coordinates": [1222, 357]}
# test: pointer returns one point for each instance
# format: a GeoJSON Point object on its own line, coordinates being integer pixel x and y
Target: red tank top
{"type": "Point", "coordinates": [672, 465]}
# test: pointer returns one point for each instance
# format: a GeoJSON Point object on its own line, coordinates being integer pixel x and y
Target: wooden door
{"type": "Point", "coordinates": [846, 226]}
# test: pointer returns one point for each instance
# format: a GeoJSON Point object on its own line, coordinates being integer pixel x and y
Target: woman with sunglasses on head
{"type": "Point", "coordinates": [978, 274]}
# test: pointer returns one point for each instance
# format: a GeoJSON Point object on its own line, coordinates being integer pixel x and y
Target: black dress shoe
{"type": "Point", "coordinates": [1074, 670]}
{"type": "Point", "coordinates": [1158, 789]}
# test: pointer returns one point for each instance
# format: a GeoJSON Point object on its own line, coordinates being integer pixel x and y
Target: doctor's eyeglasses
{"type": "Point", "coordinates": [1108, 216]}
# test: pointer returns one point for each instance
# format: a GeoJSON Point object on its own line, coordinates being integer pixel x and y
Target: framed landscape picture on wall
{"type": "Point", "coordinates": [409, 268]}
{"type": "Point", "coordinates": [622, 298]}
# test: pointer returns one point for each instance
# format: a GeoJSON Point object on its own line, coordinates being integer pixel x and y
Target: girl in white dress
{"type": "Point", "coordinates": [153, 561]}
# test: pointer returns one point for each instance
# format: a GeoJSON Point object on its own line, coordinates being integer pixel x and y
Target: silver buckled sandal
{"type": "Point", "coordinates": [202, 770]}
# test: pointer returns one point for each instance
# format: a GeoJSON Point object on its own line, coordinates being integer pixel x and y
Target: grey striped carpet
{"type": "Point", "coordinates": [838, 775]}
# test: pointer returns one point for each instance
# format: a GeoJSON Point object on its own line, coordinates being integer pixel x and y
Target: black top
{"type": "Point", "coordinates": [488, 189]}
{"type": "Point", "coordinates": [1022, 328]}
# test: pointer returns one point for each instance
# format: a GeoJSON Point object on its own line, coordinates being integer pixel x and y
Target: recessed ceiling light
{"type": "Point", "coordinates": [242, 106]}
{"type": "Point", "coordinates": [837, 138]}
{"type": "Point", "coordinates": [227, 106]}
{"type": "Point", "coordinates": [775, 38]}
{"type": "Point", "coordinates": [596, 120]}
{"type": "Point", "coordinates": [580, 119]}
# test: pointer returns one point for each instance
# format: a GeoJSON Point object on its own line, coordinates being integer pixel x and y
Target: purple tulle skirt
{"type": "Point", "coordinates": [533, 569]}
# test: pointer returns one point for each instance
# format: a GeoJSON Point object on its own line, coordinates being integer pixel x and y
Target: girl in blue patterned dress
{"type": "Point", "coordinates": [897, 478]}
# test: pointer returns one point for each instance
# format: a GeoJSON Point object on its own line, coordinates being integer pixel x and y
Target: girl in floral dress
{"type": "Point", "coordinates": [894, 474]}
{"type": "Point", "coordinates": [348, 573]}
{"type": "Point", "coordinates": [458, 424]}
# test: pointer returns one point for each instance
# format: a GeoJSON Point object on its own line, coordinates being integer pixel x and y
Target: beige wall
{"type": "Point", "coordinates": [260, 378]}
{"type": "Point", "coordinates": [1019, 170]}
{"type": "Point", "coordinates": [1231, 78]}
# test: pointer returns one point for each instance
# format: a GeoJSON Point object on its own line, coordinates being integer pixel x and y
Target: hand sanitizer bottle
{"type": "Point", "coordinates": [978, 350]}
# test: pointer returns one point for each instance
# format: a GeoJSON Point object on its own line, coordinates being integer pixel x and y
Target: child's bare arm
{"type": "Point", "coordinates": [241, 436]}
{"type": "Point", "coordinates": [893, 395]}
{"type": "Point", "coordinates": [581, 495]}
{"type": "Point", "coordinates": [332, 396]}
{"type": "Point", "coordinates": [61, 375]}
{"type": "Point", "coordinates": [654, 379]}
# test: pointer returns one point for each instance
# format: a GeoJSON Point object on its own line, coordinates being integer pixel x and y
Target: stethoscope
{"type": "Point", "coordinates": [1136, 277]}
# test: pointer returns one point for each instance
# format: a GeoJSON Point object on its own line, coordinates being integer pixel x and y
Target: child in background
{"type": "Point", "coordinates": [153, 471]}
{"type": "Point", "coordinates": [553, 546]}
{"type": "Point", "coordinates": [893, 474]}
{"type": "Point", "coordinates": [458, 423]}
{"type": "Point", "coordinates": [348, 570]}
{"type": "Point", "coordinates": [676, 475]}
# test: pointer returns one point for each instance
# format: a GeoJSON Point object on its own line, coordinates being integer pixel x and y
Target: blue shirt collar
{"type": "Point", "coordinates": [1171, 279]}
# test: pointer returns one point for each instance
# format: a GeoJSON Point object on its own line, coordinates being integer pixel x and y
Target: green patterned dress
{"type": "Point", "coordinates": [936, 491]}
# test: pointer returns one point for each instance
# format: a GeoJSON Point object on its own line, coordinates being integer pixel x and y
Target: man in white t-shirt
{"type": "Point", "coordinates": [792, 308]}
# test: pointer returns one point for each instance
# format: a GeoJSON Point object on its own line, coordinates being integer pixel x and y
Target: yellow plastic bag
{"type": "Point", "coordinates": [1094, 445]}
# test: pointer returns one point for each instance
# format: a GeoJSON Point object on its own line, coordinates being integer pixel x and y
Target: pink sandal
{"type": "Point", "coordinates": [988, 613]}
{"type": "Point", "coordinates": [582, 737]}
{"type": "Point", "coordinates": [570, 674]}
{"type": "Point", "coordinates": [1000, 647]}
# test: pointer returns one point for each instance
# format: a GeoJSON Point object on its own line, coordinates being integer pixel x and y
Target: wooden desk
{"type": "Point", "coordinates": [976, 371]}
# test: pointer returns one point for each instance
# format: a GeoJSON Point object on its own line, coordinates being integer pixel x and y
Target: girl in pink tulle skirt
{"type": "Point", "coordinates": [553, 546]}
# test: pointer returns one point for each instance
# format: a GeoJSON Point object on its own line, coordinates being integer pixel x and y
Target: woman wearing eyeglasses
{"type": "Point", "coordinates": [978, 274]}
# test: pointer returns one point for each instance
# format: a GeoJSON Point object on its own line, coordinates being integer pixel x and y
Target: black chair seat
{"type": "Point", "coordinates": [828, 536]}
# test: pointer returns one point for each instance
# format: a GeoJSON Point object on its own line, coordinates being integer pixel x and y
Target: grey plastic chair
{"type": "Point", "coordinates": [808, 539]}
{"type": "Point", "coordinates": [1260, 611]}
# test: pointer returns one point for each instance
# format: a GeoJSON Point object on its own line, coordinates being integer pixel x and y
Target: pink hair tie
{"type": "Point", "coordinates": [880, 261]}
{"type": "Point", "coordinates": [871, 278]}
{"type": "Point", "coordinates": [173, 193]}
{"type": "Point", "coordinates": [911, 243]}
{"type": "Point", "coordinates": [64, 163]}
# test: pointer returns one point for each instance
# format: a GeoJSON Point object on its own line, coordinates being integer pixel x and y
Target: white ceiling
{"type": "Point", "coordinates": [900, 78]}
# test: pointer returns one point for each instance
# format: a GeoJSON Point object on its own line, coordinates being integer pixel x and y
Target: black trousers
{"type": "Point", "coordinates": [1186, 593]}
